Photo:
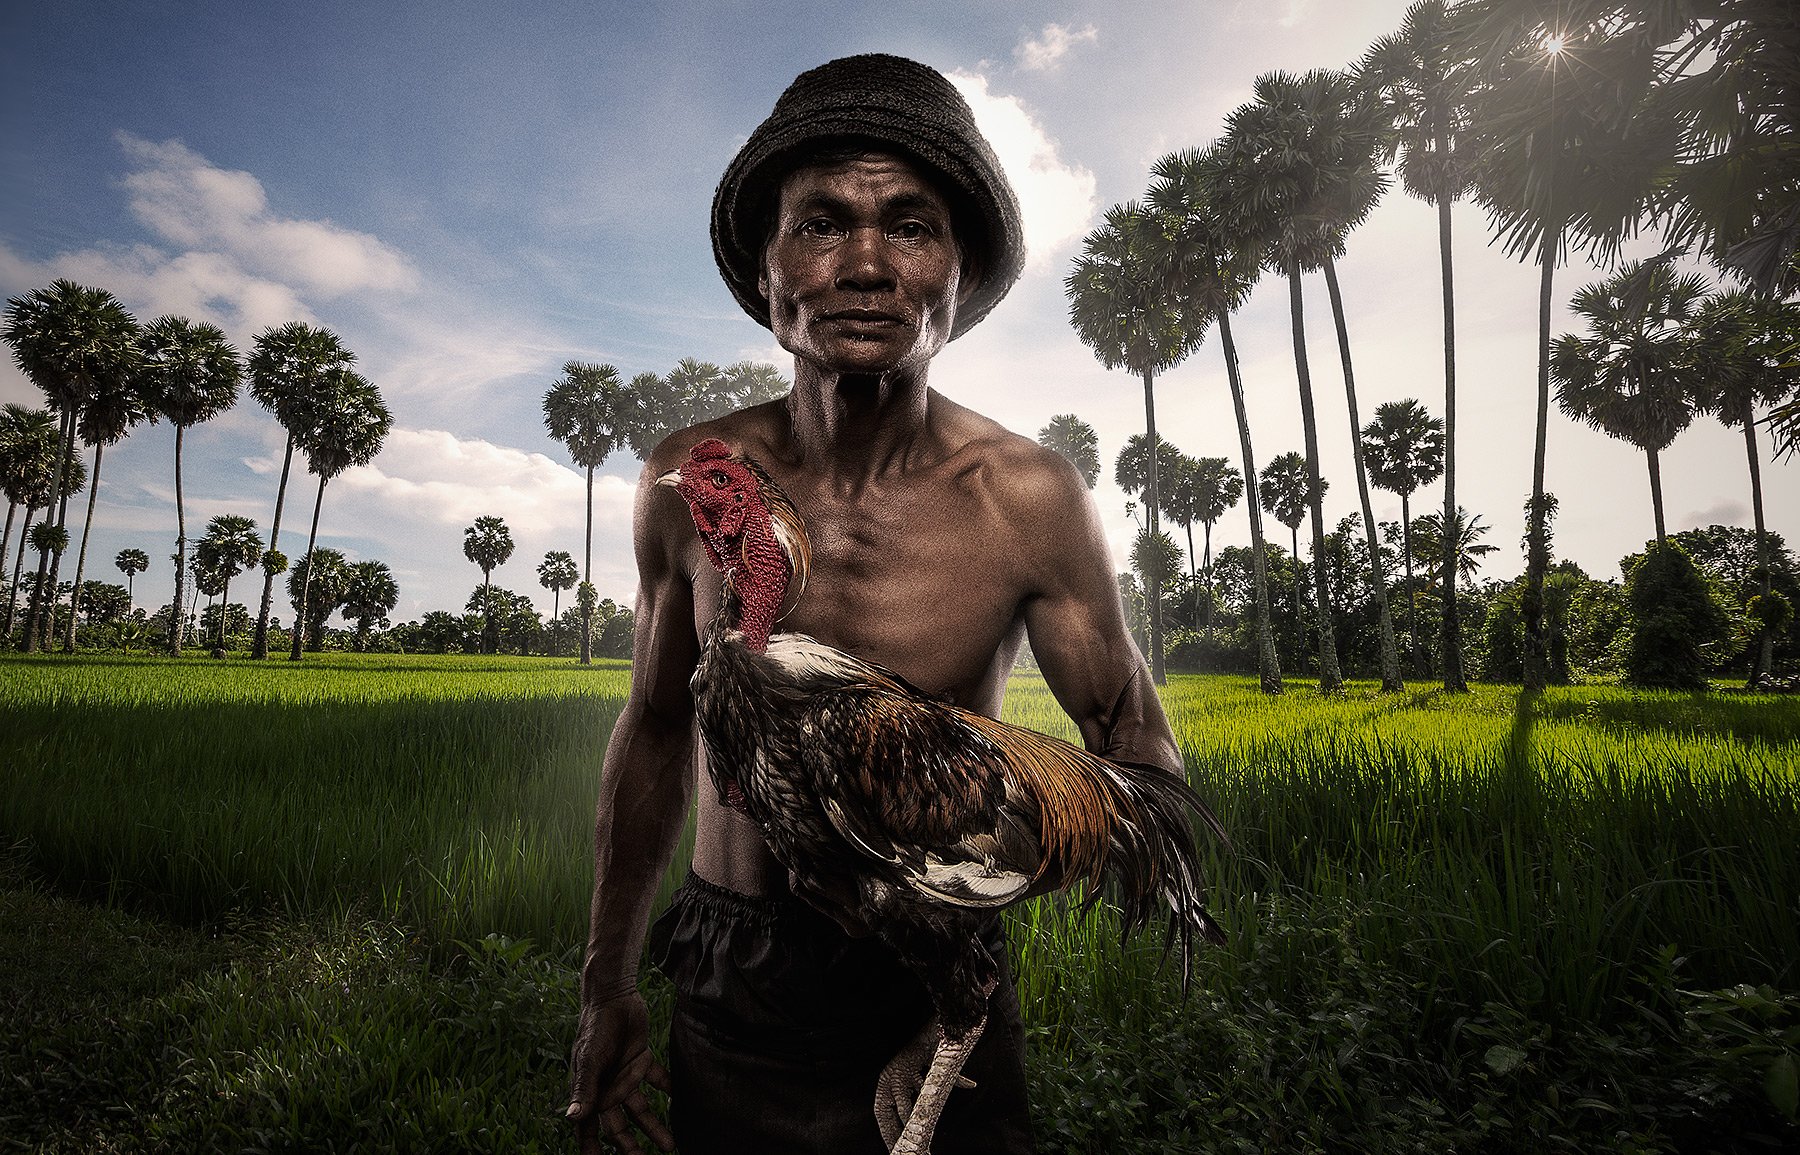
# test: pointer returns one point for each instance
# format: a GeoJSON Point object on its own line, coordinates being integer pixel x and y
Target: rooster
{"type": "Point", "coordinates": [924, 818]}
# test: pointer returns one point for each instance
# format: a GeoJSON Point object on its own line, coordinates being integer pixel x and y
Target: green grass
{"type": "Point", "coordinates": [1488, 922]}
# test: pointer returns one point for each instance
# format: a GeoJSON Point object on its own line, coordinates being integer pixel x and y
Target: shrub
{"type": "Point", "coordinates": [1675, 619]}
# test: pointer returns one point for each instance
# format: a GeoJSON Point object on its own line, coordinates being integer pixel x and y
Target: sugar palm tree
{"type": "Point", "coordinates": [587, 410]}
{"type": "Point", "coordinates": [1287, 492]}
{"type": "Point", "coordinates": [190, 374]}
{"type": "Point", "coordinates": [28, 482]}
{"type": "Point", "coordinates": [1121, 308]}
{"type": "Point", "coordinates": [347, 425]}
{"type": "Point", "coordinates": [289, 367]}
{"type": "Point", "coordinates": [751, 383]}
{"type": "Point", "coordinates": [1287, 184]}
{"type": "Point", "coordinates": [1076, 442]}
{"type": "Point", "coordinates": [1215, 487]}
{"type": "Point", "coordinates": [231, 546]}
{"type": "Point", "coordinates": [317, 586]}
{"type": "Point", "coordinates": [132, 562]}
{"type": "Point", "coordinates": [114, 406]}
{"type": "Point", "coordinates": [370, 592]}
{"type": "Point", "coordinates": [487, 543]}
{"type": "Point", "coordinates": [1405, 448]}
{"type": "Point", "coordinates": [27, 450]}
{"type": "Point", "coordinates": [1425, 83]}
{"type": "Point", "coordinates": [1748, 344]}
{"type": "Point", "coordinates": [557, 573]}
{"type": "Point", "coordinates": [1633, 375]}
{"type": "Point", "coordinates": [69, 340]}
{"type": "Point", "coordinates": [1565, 149]}
{"type": "Point", "coordinates": [1214, 271]}
{"type": "Point", "coordinates": [1729, 80]}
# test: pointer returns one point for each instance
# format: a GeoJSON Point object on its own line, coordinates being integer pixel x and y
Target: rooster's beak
{"type": "Point", "coordinates": [670, 479]}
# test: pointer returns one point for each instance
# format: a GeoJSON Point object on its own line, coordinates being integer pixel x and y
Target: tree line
{"type": "Point", "coordinates": [1575, 125]}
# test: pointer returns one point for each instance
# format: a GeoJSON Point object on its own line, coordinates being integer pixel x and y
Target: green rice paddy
{"type": "Point", "coordinates": [1495, 921]}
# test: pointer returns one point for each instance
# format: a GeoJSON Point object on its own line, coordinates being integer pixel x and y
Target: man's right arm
{"type": "Point", "coordinates": [646, 786]}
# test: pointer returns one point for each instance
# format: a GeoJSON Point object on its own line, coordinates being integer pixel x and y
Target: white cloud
{"type": "Point", "coordinates": [1056, 199]}
{"type": "Point", "coordinates": [1047, 49]}
{"type": "Point", "coordinates": [191, 203]}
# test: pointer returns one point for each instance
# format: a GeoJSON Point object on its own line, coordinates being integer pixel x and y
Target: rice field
{"type": "Point", "coordinates": [1457, 921]}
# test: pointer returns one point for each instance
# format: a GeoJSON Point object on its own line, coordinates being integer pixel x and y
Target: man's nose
{"type": "Point", "coordinates": [865, 264]}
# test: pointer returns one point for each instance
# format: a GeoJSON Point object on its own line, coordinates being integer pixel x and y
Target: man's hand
{"type": "Point", "coordinates": [610, 1064]}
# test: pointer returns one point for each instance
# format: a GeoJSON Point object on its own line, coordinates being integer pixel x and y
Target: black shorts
{"type": "Point", "coordinates": [782, 1023]}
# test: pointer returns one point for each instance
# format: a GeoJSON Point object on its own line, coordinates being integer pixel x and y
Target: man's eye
{"type": "Point", "coordinates": [910, 230]}
{"type": "Point", "coordinates": [819, 227]}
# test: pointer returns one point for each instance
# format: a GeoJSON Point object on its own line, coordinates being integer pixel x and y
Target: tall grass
{"type": "Point", "coordinates": [1454, 920]}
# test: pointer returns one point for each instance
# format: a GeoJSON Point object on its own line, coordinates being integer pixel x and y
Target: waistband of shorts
{"type": "Point", "coordinates": [722, 901]}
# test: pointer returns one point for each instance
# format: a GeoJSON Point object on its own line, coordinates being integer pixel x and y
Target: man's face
{"type": "Point", "coordinates": [862, 273]}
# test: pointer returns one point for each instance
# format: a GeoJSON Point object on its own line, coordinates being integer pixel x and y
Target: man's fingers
{"type": "Point", "coordinates": [619, 1131]}
{"type": "Point", "coordinates": [649, 1122]}
{"type": "Point", "coordinates": [657, 1076]}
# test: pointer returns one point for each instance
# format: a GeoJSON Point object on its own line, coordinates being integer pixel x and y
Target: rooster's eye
{"type": "Point", "coordinates": [719, 480]}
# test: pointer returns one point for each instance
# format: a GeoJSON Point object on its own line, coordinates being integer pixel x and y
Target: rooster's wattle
{"type": "Point", "coordinates": [931, 816]}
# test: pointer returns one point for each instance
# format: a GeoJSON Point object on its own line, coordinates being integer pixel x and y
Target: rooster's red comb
{"type": "Point", "coordinates": [712, 449]}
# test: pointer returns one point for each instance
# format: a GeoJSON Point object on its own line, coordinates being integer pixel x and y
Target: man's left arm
{"type": "Point", "coordinates": [1077, 630]}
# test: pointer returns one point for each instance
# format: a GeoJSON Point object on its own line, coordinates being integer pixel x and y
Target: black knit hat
{"type": "Point", "coordinates": [893, 103]}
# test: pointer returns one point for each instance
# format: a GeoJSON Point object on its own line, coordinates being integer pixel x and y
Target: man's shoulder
{"type": "Point", "coordinates": [1014, 467]}
{"type": "Point", "coordinates": [747, 431]}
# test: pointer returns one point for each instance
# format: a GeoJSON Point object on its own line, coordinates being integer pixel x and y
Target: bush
{"type": "Point", "coordinates": [1676, 617]}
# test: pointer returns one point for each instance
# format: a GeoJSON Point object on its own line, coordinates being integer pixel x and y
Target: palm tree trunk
{"type": "Point", "coordinates": [87, 527]}
{"type": "Point", "coordinates": [1765, 641]}
{"type": "Point", "coordinates": [1153, 581]}
{"type": "Point", "coordinates": [587, 576]}
{"type": "Point", "coordinates": [1268, 663]}
{"type": "Point", "coordinates": [179, 623]}
{"type": "Point", "coordinates": [259, 646]}
{"type": "Point", "coordinates": [1537, 553]}
{"type": "Point", "coordinates": [1412, 607]}
{"type": "Point", "coordinates": [38, 611]}
{"type": "Point", "coordinates": [1330, 679]}
{"type": "Point", "coordinates": [1209, 581]}
{"type": "Point", "coordinates": [1299, 589]}
{"type": "Point", "coordinates": [224, 609]}
{"type": "Point", "coordinates": [12, 595]}
{"type": "Point", "coordinates": [306, 582]}
{"type": "Point", "coordinates": [1450, 632]}
{"type": "Point", "coordinates": [1656, 501]}
{"type": "Point", "coordinates": [488, 641]}
{"type": "Point", "coordinates": [12, 510]}
{"type": "Point", "coordinates": [1390, 653]}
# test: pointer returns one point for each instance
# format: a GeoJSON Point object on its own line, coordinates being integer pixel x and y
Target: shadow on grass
{"type": "Point", "coordinates": [1767, 719]}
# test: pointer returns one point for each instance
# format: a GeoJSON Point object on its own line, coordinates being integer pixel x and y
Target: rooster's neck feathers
{"type": "Point", "coordinates": [760, 546]}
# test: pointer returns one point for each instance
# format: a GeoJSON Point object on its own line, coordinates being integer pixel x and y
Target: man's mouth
{"type": "Point", "coordinates": [864, 317]}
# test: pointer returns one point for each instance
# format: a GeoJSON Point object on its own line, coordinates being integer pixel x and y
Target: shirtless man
{"type": "Point", "coordinates": [867, 223]}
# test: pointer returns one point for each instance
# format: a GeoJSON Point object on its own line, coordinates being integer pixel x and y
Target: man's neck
{"type": "Point", "coordinates": [855, 427]}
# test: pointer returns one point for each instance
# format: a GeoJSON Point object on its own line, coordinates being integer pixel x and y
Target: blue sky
{"type": "Point", "coordinates": [471, 196]}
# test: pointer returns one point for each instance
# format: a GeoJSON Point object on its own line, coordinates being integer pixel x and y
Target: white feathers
{"type": "Point", "coordinates": [807, 660]}
{"type": "Point", "coordinates": [967, 882]}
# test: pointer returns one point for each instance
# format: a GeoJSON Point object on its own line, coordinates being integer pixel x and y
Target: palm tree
{"type": "Point", "coordinates": [1121, 309]}
{"type": "Point", "coordinates": [115, 405]}
{"type": "Point", "coordinates": [586, 409]}
{"type": "Point", "coordinates": [317, 585]}
{"type": "Point", "coordinates": [132, 562]}
{"type": "Point", "coordinates": [1425, 84]}
{"type": "Point", "coordinates": [30, 473]}
{"type": "Point", "coordinates": [27, 450]}
{"type": "Point", "coordinates": [557, 573]}
{"type": "Point", "coordinates": [1463, 547]}
{"type": "Point", "coordinates": [1076, 442]}
{"type": "Point", "coordinates": [1214, 271]}
{"type": "Point", "coordinates": [230, 547]}
{"type": "Point", "coordinates": [1564, 152]}
{"type": "Point", "coordinates": [1287, 492]}
{"type": "Point", "coordinates": [369, 593]}
{"type": "Point", "coordinates": [1748, 343]}
{"type": "Point", "coordinates": [1633, 375]}
{"type": "Point", "coordinates": [347, 424]}
{"type": "Point", "coordinates": [1212, 486]}
{"type": "Point", "coordinates": [289, 367]}
{"type": "Point", "coordinates": [487, 543]}
{"type": "Point", "coordinates": [1131, 469]}
{"type": "Point", "coordinates": [190, 374]}
{"type": "Point", "coordinates": [1735, 188]}
{"type": "Point", "coordinates": [751, 383]}
{"type": "Point", "coordinates": [68, 339]}
{"type": "Point", "coordinates": [1405, 448]}
{"type": "Point", "coordinates": [1294, 174]}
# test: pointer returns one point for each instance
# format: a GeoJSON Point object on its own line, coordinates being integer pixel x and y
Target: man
{"type": "Point", "coordinates": [867, 223]}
